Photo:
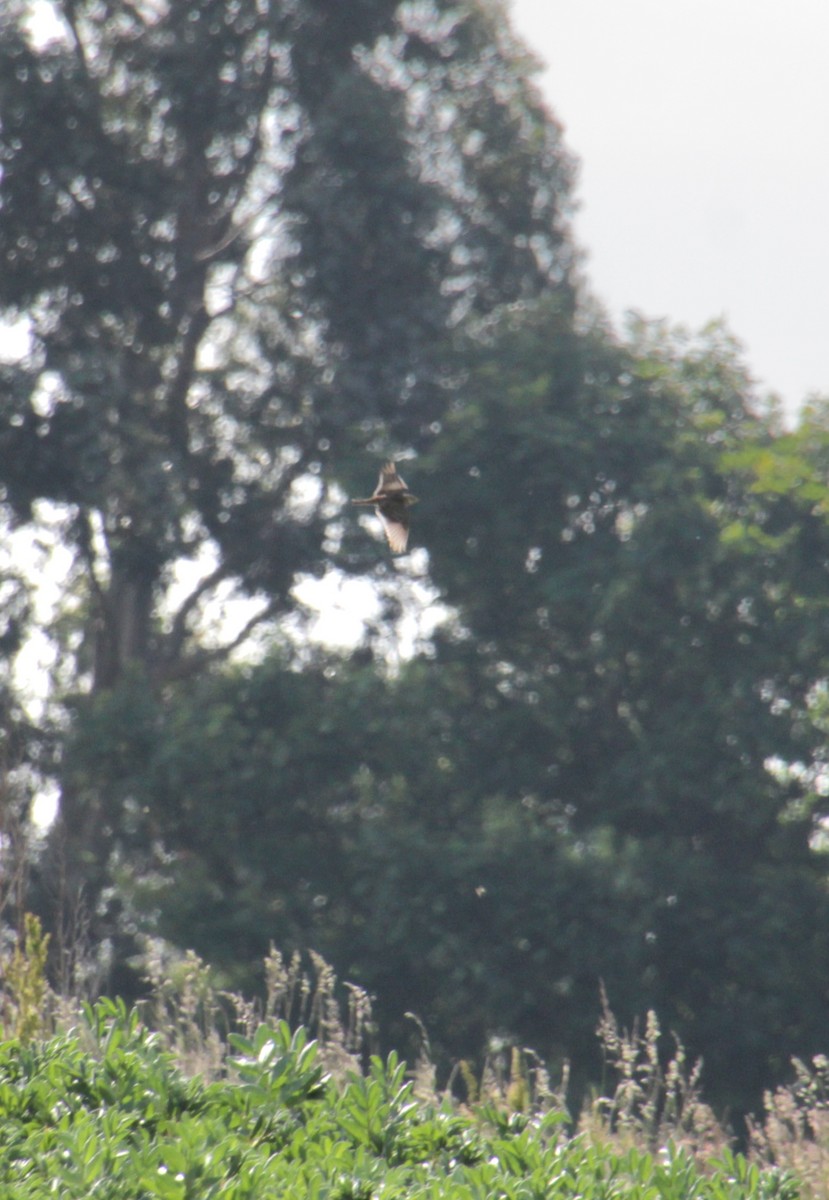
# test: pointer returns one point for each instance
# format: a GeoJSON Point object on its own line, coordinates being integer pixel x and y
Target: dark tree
{"type": "Point", "coordinates": [238, 233]}
{"type": "Point", "coordinates": [608, 765]}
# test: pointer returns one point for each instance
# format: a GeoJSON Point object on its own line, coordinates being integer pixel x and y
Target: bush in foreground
{"type": "Point", "coordinates": [105, 1110]}
{"type": "Point", "coordinates": [202, 1094]}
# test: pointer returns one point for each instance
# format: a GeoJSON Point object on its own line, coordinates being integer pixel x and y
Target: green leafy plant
{"type": "Point", "coordinates": [106, 1108]}
{"type": "Point", "coordinates": [25, 986]}
{"type": "Point", "coordinates": [279, 1064]}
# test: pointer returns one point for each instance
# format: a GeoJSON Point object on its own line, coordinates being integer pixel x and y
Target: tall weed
{"type": "Point", "coordinates": [794, 1131]}
{"type": "Point", "coordinates": [649, 1101]}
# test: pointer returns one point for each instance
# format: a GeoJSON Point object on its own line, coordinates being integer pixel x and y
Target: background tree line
{"type": "Point", "coordinates": [257, 247]}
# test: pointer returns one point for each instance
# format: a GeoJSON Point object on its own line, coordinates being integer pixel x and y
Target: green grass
{"type": "Point", "coordinates": [105, 1109]}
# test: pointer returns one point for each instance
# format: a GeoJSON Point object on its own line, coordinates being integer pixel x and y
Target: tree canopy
{"type": "Point", "coordinates": [255, 248]}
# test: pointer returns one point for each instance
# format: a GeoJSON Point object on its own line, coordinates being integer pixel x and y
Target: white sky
{"type": "Point", "coordinates": [702, 127]}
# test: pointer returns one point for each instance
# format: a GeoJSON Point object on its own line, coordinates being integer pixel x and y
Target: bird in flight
{"type": "Point", "coordinates": [391, 501]}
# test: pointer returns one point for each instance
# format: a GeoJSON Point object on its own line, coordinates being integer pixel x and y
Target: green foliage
{"type": "Point", "coordinates": [482, 858]}
{"type": "Point", "coordinates": [238, 235]}
{"type": "Point", "coordinates": [239, 244]}
{"type": "Point", "coordinates": [119, 1119]}
{"type": "Point", "coordinates": [375, 1108]}
{"type": "Point", "coordinates": [25, 988]}
{"type": "Point", "coordinates": [577, 782]}
{"type": "Point", "coordinates": [254, 243]}
{"type": "Point", "coordinates": [279, 1064]}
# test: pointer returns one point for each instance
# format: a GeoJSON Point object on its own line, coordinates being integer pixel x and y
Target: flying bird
{"type": "Point", "coordinates": [391, 501]}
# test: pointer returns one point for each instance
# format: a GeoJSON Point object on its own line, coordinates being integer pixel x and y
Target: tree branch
{"type": "Point", "coordinates": [195, 663]}
{"type": "Point", "coordinates": [175, 639]}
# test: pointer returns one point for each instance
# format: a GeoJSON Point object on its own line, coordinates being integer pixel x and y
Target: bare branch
{"type": "Point", "coordinates": [195, 663]}
{"type": "Point", "coordinates": [270, 609]}
{"type": "Point", "coordinates": [70, 16]}
{"type": "Point", "coordinates": [243, 171]}
{"type": "Point", "coordinates": [232, 235]}
{"type": "Point", "coordinates": [178, 631]}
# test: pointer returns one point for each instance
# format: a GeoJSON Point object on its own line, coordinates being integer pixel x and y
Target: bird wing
{"type": "Point", "coordinates": [389, 480]}
{"type": "Point", "coordinates": [395, 525]}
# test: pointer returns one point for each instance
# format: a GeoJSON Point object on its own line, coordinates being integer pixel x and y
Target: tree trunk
{"type": "Point", "coordinates": [122, 634]}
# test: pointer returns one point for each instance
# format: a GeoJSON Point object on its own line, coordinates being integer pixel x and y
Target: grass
{"type": "Point", "coordinates": [795, 1128]}
{"type": "Point", "coordinates": [201, 1095]}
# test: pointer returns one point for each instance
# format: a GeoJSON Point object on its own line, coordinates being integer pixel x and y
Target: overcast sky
{"type": "Point", "coordinates": [702, 128]}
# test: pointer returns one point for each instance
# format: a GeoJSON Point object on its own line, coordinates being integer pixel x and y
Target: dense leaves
{"type": "Point", "coordinates": [255, 247]}
{"type": "Point", "coordinates": [606, 766]}
{"type": "Point", "coordinates": [237, 232]}
{"type": "Point", "coordinates": [234, 235]}
{"type": "Point", "coordinates": [122, 1120]}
